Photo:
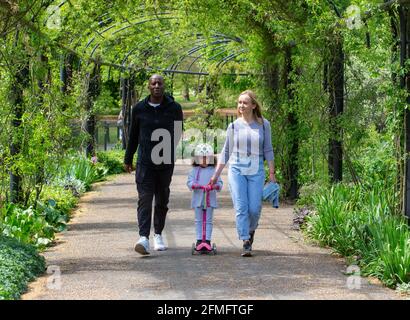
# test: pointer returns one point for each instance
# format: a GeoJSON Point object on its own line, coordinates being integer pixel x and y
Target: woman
{"type": "Point", "coordinates": [249, 140]}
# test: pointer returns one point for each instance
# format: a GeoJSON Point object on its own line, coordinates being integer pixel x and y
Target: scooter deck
{"type": "Point", "coordinates": [203, 248]}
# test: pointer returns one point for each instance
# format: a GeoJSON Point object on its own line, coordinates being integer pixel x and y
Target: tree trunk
{"type": "Point", "coordinates": [21, 81]}
{"type": "Point", "coordinates": [66, 72]}
{"type": "Point", "coordinates": [336, 103]}
{"type": "Point", "coordinates": [42, 80]}
{"type": "Point", "coordinates": [129, 98]}
{"type": "Point", "coordinates": [94, 88]}
{"type": "Point", "coordinates": [292, 191]}
{"type": "Point", "coordinates": [399, 137]}
{"type": "Point", "coordinates": [185, 93]}
{"type": "Point", "coordinates": [404, 14]}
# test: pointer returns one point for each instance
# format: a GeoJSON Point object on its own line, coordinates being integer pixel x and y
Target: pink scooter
{"type": "Point", "coordinates": [204, 247]}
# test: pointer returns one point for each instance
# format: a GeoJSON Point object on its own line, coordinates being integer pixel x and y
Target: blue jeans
{"type": "Point", "coordinates": [198, 223]}
{"type": "Point", "coordinates": [246, 192]}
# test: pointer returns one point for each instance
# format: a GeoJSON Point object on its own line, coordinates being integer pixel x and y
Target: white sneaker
{"type": "Point", "coordinates": [159, 243]}
{"type": "Point", "coordinates": [142, 246]}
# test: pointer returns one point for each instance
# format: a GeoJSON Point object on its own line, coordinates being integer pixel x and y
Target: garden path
{"type": "Point", "coordinates": [95, 258]}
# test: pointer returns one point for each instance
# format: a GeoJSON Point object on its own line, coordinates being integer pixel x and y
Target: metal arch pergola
{"type": "Point", "coordinates": [194, 49]}
{"type": "Point", "coordinates": [98, 34]}
{"type": "Point", "coordinates": [403, 46]}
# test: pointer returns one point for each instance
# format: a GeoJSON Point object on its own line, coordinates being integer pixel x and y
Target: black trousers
{"type": "Point", "coordinates": [152, 183]}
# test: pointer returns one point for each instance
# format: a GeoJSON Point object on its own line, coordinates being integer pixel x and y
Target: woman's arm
{"type": "Point", "coordinates": [267, 144]}
{"type": "Point", "coordinates": [268, 150]}
{"type": "Point", "coordinates": [219, 184]}
{"type": "Point", "coordinates": [225, 154]}
{"type": "Point", "coordinates": [272, 171]}
{"type": "Point", "coordinates": [220, 166]}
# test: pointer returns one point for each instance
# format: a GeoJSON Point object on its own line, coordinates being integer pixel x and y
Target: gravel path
{"type": "Point", "coordinates": [95, 258]}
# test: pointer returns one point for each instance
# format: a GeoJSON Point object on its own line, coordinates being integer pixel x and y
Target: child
{"type": "Point", "coordinates": [204, 162]}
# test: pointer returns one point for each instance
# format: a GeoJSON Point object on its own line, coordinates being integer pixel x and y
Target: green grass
{"type": "Point", "coordinates": [19, 264]}
{"type": "Point", "coordinates": [359, 222]}
{"type": "Point", "coordinates": [386, 254]}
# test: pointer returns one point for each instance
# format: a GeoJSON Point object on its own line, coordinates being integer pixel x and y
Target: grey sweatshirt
{"type": "Point", "coordinates": [247, 140]}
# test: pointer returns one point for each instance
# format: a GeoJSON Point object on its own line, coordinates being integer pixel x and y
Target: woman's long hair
{"type": "Point", "coordinates": [257, 112]}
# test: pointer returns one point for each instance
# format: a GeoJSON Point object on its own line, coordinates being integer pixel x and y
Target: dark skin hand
{"type": "Point", "coordinates": [129, 168]}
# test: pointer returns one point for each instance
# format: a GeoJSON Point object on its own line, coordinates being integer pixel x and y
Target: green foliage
{"type": "Point", "coordinates": [257, 37]}
{"type": "Point", "coordinates": [376, 164]}
{"type": "Point", "coordinates": [37, 224]}
{"type": "Point", "coordinates": [106, 104]}
{"type": "Point", "coordinates": [76, 186]}
{"type": "Point", "coordinates": [236, 83]}
{"type": "Point", "coordinates": [113, 160]}
{"type": "Point", "coordinates": [386, 250]}
{"type": "Point", "coordinates": [307, 193]}
{"type": "Point", "coordinates": [85, 170]}
{"type": "Point", "coordinates": [19, 264]}
{"type": "Point", "coordinates": [62, 197]}
{"type": "Point", "coordinates": [26, 225]}
{"type": "Point", "coordinates": [35, 227]}
{"type": "Point", "coordinates": [53, 215]}
{"type": "Point", "coordinates": [358, 222]}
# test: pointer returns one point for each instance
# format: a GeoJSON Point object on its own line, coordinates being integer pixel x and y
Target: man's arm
{"type": "Point", "coordinates": [132, 141]}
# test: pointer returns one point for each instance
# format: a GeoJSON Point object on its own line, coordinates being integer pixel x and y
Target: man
{"type": "Point", "coordinates": [158, 115]}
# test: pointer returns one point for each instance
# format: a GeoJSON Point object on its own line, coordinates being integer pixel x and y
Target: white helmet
{"type": "Point", "coordinates": [203, 150]}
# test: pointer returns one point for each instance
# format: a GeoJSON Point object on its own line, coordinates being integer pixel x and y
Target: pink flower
{"type": "Point", "coordinates": [94, 160]}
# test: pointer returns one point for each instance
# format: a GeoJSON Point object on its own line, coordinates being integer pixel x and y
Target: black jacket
{"type": "Point", "coordinates": [145, 119]}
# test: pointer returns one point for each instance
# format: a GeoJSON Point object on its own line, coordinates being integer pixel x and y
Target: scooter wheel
{"type": "Point", "coordinates": [193, 251]}
{"type": "Point", "coordinates": [214, 248]}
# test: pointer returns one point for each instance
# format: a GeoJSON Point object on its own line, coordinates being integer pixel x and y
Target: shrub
{"type": "Point", "coordinates": [37, 225]}
{"type": "Point", "coordinates": [386, 251]}
{"type": "Point", "coordinates": [306, 194]}
{"type": "Point", "coordinates": [26, 225]}
{"type": "Point", "coordinates": [85, 170]}
{"type": "Point", "coordinates": [19, 264]}
{"type": "Point", "coordinates": [53, 216]}
{"type": "Point", "coordinates": [355, 221]}
{"type": "Point", "coordinates": [63, 198]}
{"type": "Point", "coordinates": [76, 186]}
{"type": "Point", "coordinates": [113, 160]}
